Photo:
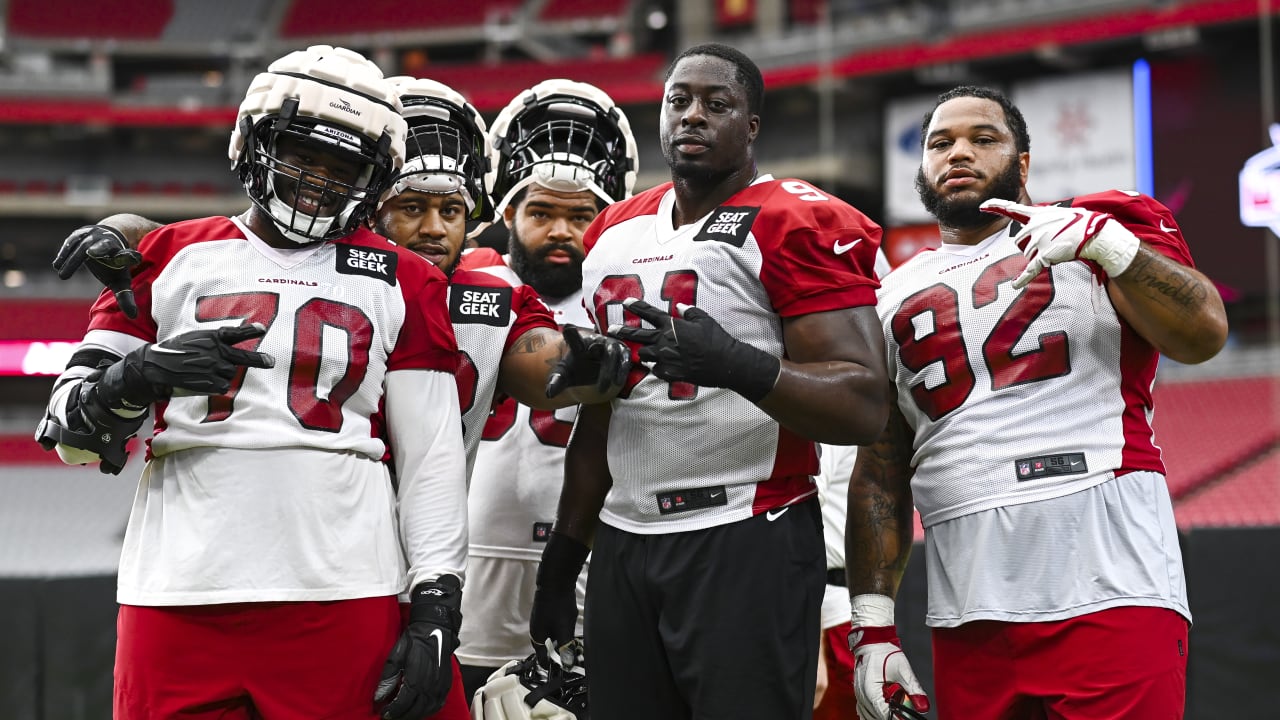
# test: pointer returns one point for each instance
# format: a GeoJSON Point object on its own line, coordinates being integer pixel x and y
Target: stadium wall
{"type": "Point", "coordinates": [57, 658]}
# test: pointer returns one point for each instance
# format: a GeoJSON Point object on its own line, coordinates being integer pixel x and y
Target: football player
{"type": "Point", "coordinates": [508, 339]}
{"type": "Point", "coordinates": [750, 301]}
{"type": "Point", "coordinates": [1023, 352]}
{"type": "Point", "coordinates": [285, 352]}
{"type": "Point", "coordinates": [563, 150]}
{"type": "Point", "coordinates": [511, 345]}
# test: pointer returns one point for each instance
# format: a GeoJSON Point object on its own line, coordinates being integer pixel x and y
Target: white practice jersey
{"type": "Point", "coordinates": [490, 309]}
{"type": "Point", "coordinates": [1051, 370]}
{"type": "Point", "coordinates": [685, 457]}
{"type": "Point", "coordinates": [835, 469]}
{"type": "Point", "coordinates": [519, 470]}
{"type": "Point", "coordinates": [278, 489]}
{"type": "Point", "coordinates": [1026, 405]}
{"type": "Point", "coordinates": [515, 487]}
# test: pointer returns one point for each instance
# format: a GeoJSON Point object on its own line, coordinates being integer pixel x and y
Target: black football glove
{"type": "Point", "coordinates": [694, 348]}
{"type": "Point", "coordinates": [108, 256]}
{"type": "Point", "coordinates": [200, 362]}
{"type": "Point", "coordinates": [592, 359]}
{"type": "Point", "coordinates": [555, 599]}
{"type": "Point", "coordinates": [419, 671]}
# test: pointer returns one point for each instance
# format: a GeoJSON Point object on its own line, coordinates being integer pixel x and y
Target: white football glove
{"type": "Point", "coordinates": [880, 668]}
{"type": "Point", "coordinates": [1054, 234]}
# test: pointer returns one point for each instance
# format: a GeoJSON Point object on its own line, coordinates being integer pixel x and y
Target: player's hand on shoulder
{"type": "Point", "coordinates": [107, 254]}
{"type": "Point", "coordinates": [1052, 234]}
{"type": "Point", "coordinates": [694, 348]}
{"type": "Point", "coordinates": [417, 676]}
{"type": "Point", "coordinates": [592, 360]}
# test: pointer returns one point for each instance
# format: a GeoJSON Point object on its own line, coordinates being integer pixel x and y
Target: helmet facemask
{"type": "Point", "coordinates": [567, 137]}
{"type": "Point", "coordinates": [307, 206]}
{"type": "Point", "coordinates": [447, 153]}
{"type": "Point", "coordinates": [328, 101]}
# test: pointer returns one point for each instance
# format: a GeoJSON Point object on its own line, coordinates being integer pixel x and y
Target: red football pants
{"type": "Point", "coordinates": [1127, 663]}
{"type": "Point", "coordinates": [258, 661]}
{"type": "Point", "coordinates": [838, 702]}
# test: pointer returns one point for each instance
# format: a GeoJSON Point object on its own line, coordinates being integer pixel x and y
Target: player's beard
{"type": "Point", "coordinates": [963, 212]}
{"type": "Point", "coordinates": [551, 280]}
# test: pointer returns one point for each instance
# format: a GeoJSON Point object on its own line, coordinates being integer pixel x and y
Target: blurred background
{"type": "Point", "coordinates": [127, 106]}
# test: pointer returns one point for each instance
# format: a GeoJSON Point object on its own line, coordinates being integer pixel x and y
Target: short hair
{"type": "Point", "coordinates": [745, 70]}
{"type": "Point", "coordinates": [1012, 116]}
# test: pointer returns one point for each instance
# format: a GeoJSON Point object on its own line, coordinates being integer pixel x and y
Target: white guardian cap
{"type": "Point", "coordinates": [328, 95]}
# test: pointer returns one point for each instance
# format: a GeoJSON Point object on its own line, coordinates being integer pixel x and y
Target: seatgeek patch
{"type": "Point", "coordinates": [476, 304]}
{"type": "Point", "coordinates": [728, 225]}
{"type": "Point", "coordinates": [377, 264]}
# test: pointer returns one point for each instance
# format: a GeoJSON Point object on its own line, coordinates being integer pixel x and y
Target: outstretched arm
{"type": "Point", "coordinates": [830, 387]}
{"type": "Point", "coordinates": [109, 249]}
{"type": "Point", "coordinates": [132, 227]}
{"type": "Point", "coordinates": [585, 367]}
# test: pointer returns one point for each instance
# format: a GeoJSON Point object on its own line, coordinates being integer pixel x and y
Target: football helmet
{"type": "Point", "coordinates": [540, 687]}
{"type": "Point", "coordinates": [327, 95]}
{"type": "Point", "coordinates": [566, 136]}
{"type": "Point", "coordinates": [447, 147]}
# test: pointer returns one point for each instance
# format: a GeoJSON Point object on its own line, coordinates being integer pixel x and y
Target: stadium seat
{"type": "Point", "coordinates": [1250, 496]}
{"type": "Point", "coordinates": [1209, 427]}
{"type": "Point", "coordinates": [124, 20]}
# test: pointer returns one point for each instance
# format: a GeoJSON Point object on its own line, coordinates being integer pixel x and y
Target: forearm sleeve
{"type": "Point", "coordinates": [424, 425]}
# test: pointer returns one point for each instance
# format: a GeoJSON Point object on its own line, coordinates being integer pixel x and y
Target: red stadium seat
{"type": "Point", "coordinates": [1208, 427]}
{"type": "Point", "coordinates": [130, 20]}
{"type": "Point", "coordinates": [1250, 496]}
{"type": "Point", "coordinates": [556, 10]}
{"type": "Point", "coordinates": [335, 17]}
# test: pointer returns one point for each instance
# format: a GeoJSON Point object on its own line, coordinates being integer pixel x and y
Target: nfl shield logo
{"type": "Point", "coordinates": [666, 503]}
{"type": "Point", "coordinates": [1024, 469]}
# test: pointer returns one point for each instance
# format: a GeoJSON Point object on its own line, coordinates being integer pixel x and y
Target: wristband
{"type": "Point", "coordinates": [871, 610]}
{"type": "Point", "coordinates": [860, 636]}
{"type": "Point", "coordinates": [437, 602]}
{"type": "Point", "coordinates": [755, 374]}
{"type": "Point", "coordinates": [1113, 248]}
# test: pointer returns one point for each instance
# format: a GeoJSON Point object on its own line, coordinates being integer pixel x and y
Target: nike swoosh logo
{"type": "Point", "coordinates": [1166, 228]}
{"type": "Point", "coordinates": [714, 494]}
{"type": "Point", "coordinates": [841, 248]}
{"type": "Point", "coordinates": [166, 351]}
{"type": "Point", "coordinates": [774, 515]}
{"type": "Point", "coordinates": [1076, 462]}
{"type": "Point", "coordinates": [439, 636]}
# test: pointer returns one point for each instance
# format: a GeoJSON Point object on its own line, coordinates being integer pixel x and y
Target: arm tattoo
{"type": "Point", "coordinates": [1156, 275]}
{"type": "Point", "coordinates": [880, 523]}
{"type": "Point", "coordinates": [531, 342]}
